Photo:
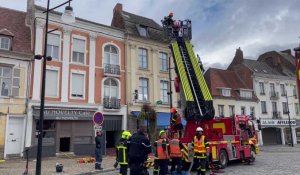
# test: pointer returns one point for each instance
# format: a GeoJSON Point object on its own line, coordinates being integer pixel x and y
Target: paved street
{"type": "Point", "coordinates": [269, 161]}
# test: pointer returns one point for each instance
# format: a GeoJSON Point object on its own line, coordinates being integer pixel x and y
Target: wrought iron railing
{"type": "Point", "coordinates": [111, 103]}
{"type": "Point", "coordinates": [112, 69]}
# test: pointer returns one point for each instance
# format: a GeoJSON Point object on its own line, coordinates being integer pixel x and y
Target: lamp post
{"type": "Point", "coordinates": [288, 112]}
{"type": "Point", "coordinates": [67, 17]}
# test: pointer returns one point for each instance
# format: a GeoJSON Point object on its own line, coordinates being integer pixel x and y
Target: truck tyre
{"type": "Point", "coordinates": [253, 155]}
{"type": "Point", "coordinates": [223, 159]}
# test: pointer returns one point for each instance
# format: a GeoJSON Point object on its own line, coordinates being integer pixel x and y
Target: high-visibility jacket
{"type": "Point", "coordinates": [200, 146]}
{"type": "Point", "coordinates": [122, 152]}
{"type": "Point", "coordinates": [160, 152]}
{"type": "Point", "coordinates": [175, 148]}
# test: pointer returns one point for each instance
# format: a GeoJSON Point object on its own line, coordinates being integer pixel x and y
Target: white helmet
{"type": "Point", "coordinates": [199, 129]}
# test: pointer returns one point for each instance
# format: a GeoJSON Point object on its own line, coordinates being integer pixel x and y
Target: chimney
{"type": "Point", "coordinates": [238, 58]}
{"type": "Point", "coordinates": [118, 8]}
{"type": "Point", "coordinates": [30, 13]}
{"type": "Point", "coordinates": [288, 51]}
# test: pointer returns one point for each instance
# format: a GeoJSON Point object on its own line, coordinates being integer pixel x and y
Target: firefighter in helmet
{"type": "Point", "coordinates": [122, 150]}
{"type": "Point", "coordinates": [162, 155]}
{"type": "Point", "coordinates": [176, 121]}
{"type": "Point", "coordinates": [176, 153]}
{"type": "Point", "coordinates": [201, 151]}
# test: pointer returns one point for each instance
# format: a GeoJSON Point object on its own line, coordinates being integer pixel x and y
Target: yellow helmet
{"type": "Point", "coordinates": [161, 132]}
{"type": "Point", "coordinates": [126, 135]}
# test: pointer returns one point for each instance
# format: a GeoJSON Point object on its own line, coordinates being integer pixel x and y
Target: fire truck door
{"type": "Point", "coordinates": [231, 150]}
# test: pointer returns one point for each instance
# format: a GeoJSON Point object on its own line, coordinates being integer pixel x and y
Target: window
{"type": "Point", "coordinates": [282, 90]}
{"type": "Point", "coordinates": [111, 55]}
{"type": "Point", "coordinates": [261, 88]}
{"type": "Point", "coordinates": [164, 87]}
{"type": "Point", "coordinates": [111, 88]}
{"type": "Point", "coordinates": [143, 31]}
{"type": "Point", "coordinates": [143, 89]}
{"type": "Point", "coordinates": [77, 85]}
{"type": "Point", "coordinates": [274, 106]}
{"type": "Point", "coordinates": [4, 43]}
{"type": "Point", "coordinates": [294, 91]}
{"type": "Point", "coordinates": [143, 58]}
{"type": "Point", "coordinates": [78, 51]}
{"type": "Point", "coordinates": [246, 94]}
{"type": "Point", "coordinates": [9, 81]}
{"type": "Point", "coordinates": [221, 110]}
{"type": "Point", "coordinates": [226, 92]}
{"type": "Point", "coordinates": [163, 62]}
{"type": "Point", "coordinates": [231, 111]}
{"type": "Point", "coordinates": [51, 83]}
{"type": "Point", "coordinates": [243, 110]}
{"type": "Point", "coordinates": [53, 46]}
{"type": "Point", "coordinates": [272, 89]}
{"type": "Point", "coordinates": [49, 132]}
{"type": "Point", "coordinates": [285, 107]}
{"type": "Point", "coordinates": [297, 109]}
{"type": "Point", "coordinates": [263, 107]}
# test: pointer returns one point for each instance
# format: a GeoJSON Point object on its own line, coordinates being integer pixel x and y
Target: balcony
{"type": "Point", "coordinates": [274, 96]}
{"type": "Point", "coordinates": [276, 115]}
{"type": "Point", "coordinates": [111, 103]}
{"type": "Point", "coordinates": [111, 69]}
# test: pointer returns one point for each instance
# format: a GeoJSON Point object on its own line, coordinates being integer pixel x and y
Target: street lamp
{"type": "Point", "coordinates": [288, 112]}
{"type": "Point", "coordinates": [67, 17]}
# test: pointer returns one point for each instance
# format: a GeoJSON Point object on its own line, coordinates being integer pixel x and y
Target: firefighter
{"type": "Point", "coordinates": [201, 151]}
{"type": "Point", "coordinates": [176, 153]}
{"type": "Point", "coordinates": [168, 20]}
{"type": "Point", "coordinates": [176, 122]}
{"type": "Point", "coordinates": [122, 149]}
{"type": "Point", "coordinates": [162, 155]}
{"type": "Point", "coordinates": [138, 150]}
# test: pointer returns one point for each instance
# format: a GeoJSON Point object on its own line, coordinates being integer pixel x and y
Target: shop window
{"type": "Point", "coordinates": [49, 132]}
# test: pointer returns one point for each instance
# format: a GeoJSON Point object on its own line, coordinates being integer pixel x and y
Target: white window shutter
{"type": "Point", "coordinates": [15, 88]}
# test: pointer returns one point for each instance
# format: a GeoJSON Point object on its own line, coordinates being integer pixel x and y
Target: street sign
{"type": "Point", "coordinates": [98, 118]}
{"type": "Point", "coordinates": [98, 127]}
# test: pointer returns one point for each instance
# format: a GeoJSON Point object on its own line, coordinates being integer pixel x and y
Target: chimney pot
{"type": "Point", "coordinates": [118, 8]}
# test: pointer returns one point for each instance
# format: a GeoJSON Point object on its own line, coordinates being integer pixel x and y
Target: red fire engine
{"type": "Point", "coordinates": [230, 138]}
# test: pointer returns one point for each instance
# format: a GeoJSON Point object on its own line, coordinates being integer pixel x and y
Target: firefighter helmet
{"type": "Point", "coordinates": [161, 132]}
{"type": "Point", "coordinates": [173, 110]}
{"type": "Point", "coordinates": [199, 129]}
{"type": "Point", "coordinates": [126, 135]}
{"type": "Point", "coordinates": [171, 14]}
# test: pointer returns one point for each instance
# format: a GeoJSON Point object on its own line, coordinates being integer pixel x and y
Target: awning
{"type": "Point", "coordinates": [163, 119]}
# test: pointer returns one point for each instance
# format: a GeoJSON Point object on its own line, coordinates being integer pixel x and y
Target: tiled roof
{"type": "Point", "coordinates": [260, 67]}
{"type": "Point", "coordinates": [132, 21]}
{"type": "Point", "coordinates": [13, 22]}
{"type": "Point", "coordinates": [218, 78]}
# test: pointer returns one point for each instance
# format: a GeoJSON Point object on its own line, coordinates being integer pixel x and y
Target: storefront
{"type": "Point", "coordinates": [275, 132]}
{"type": "Point", "coordinates": [64, 130]}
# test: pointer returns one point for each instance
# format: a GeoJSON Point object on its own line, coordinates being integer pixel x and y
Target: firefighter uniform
{"type": "Point", "coordinates": [200, 146]}
{"type": "Point", "coordinates": [162, 155]}
{"type": "Point", "coordinates": [176, 155]}
{"type": "Point", "coordinates": [122, 157]}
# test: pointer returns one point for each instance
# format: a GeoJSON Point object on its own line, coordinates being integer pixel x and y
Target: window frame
{"type": "Point", "coordinates": [282, 90]}
{"type": "Point", "coordinates": [162, 89]}
{"type": "Point", "coordinates": [243, 108]}
{"type": "Point", "coordinates": [161, 61]}
{"type": "Point", "coordinates": [118, 53]}
{"type": "Point", "coordinates": [10, 78]}
{"type": "Point", "coordinates": [231, 110]}
{"type": "Point", "coordinates": [78, 37]}
{"type": "Point", "coordinates": [58, 81]}
{"type": "Point", "coordinates": [71, 82]}
{"type": "Point", "coordinates": [118, 88]}
{"type": "Point", "coordinates": [285, 108]}
{"type": "Point", "coordinates": [261, 88]}
{"type": "Point", "coordinates": [264, 107]}
{"type": "Point", "coordinates": [297, 108]}
{"type": "Point", "coordinates": [59, 45]}
{"type": "Point", "coordinates": [141, 92]}
{"type": "Point", "coordinates": [9, 42]}
{"type": "Point", "coordinates": [145, 28]}
{"type": "Point", "coordinates": [221, 110]}
{"type": "Point", "coordinates": [141, 59]}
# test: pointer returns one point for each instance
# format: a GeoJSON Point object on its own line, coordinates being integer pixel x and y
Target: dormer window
{"type": "Point", "coordinates": [226, 92]}
{"type": "Point", "coordinates": [143, 31]}
{"type": "Point", "coordinates": [246, 94]}
{"type": "Point", "coordinates": [5, 43]}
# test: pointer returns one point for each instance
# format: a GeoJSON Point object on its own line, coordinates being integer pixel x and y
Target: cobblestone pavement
{"type": "Point", "coordinates": [272, 160]}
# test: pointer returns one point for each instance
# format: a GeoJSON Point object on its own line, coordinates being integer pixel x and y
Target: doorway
{"type": "Point", "coordinates": [14, 135]}
{"type": "Point", "coordinates": [64, 145]}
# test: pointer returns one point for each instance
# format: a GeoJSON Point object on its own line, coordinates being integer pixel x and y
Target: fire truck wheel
{"type": "Point", "coordinates": [253, 155]}
{"type": "Point", "coordinates": [223, 159]}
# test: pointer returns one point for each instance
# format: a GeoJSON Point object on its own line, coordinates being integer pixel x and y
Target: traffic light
{"type": "Point", "coordinates": [136, 94]}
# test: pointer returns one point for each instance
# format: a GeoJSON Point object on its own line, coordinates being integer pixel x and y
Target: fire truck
{"type": "Point", "coordinates": [230, 138]}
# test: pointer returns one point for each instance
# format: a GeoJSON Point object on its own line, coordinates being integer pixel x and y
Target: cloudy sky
{"type": "Point", "coordinates": [219, 26]}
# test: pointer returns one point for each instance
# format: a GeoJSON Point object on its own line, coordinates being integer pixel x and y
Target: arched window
{"type": "Point", "coordinates": [111, 88]}
{"type": "Point", "coordinates": [111, 55]}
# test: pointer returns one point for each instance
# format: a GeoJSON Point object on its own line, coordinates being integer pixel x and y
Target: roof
{"type": "Point", "coordinates": [218, 78]}
{"type": "Point", "coordinates": [12, 23]}
{"type": "Point", "coordinates": [133, 21]}
{"type": "Point", "coordinates": [260, 67]}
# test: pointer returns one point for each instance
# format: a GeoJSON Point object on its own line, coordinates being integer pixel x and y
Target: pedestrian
{"type": "Point", "coordinates": [161, 155]}
{"type": "Point", "coordinates": [201, 151]}
{"type": "Point", "coordinates": [122, 157]}
{"type": "Point", "coordinates": [138, 149]}
{"type": "Point", "coordinates": [176, 153]}
{"type": "Point", "coordinates": [98, 151]}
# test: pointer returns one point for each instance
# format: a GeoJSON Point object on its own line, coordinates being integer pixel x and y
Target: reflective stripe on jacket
{"type": "Point", "coordinates": [161, 153]}
{"type": "Point", "coordinates": [122, 153]}
{"type": "Point", "coordinates": [175, 148]}
{"type": "Point", "coordinates": [199, 145]}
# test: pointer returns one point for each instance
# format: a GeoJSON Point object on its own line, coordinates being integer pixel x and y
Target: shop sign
{"type": "Point", "coordinates": [64, 114]}
{"type": "Point", "coordinates": [277, 122]}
